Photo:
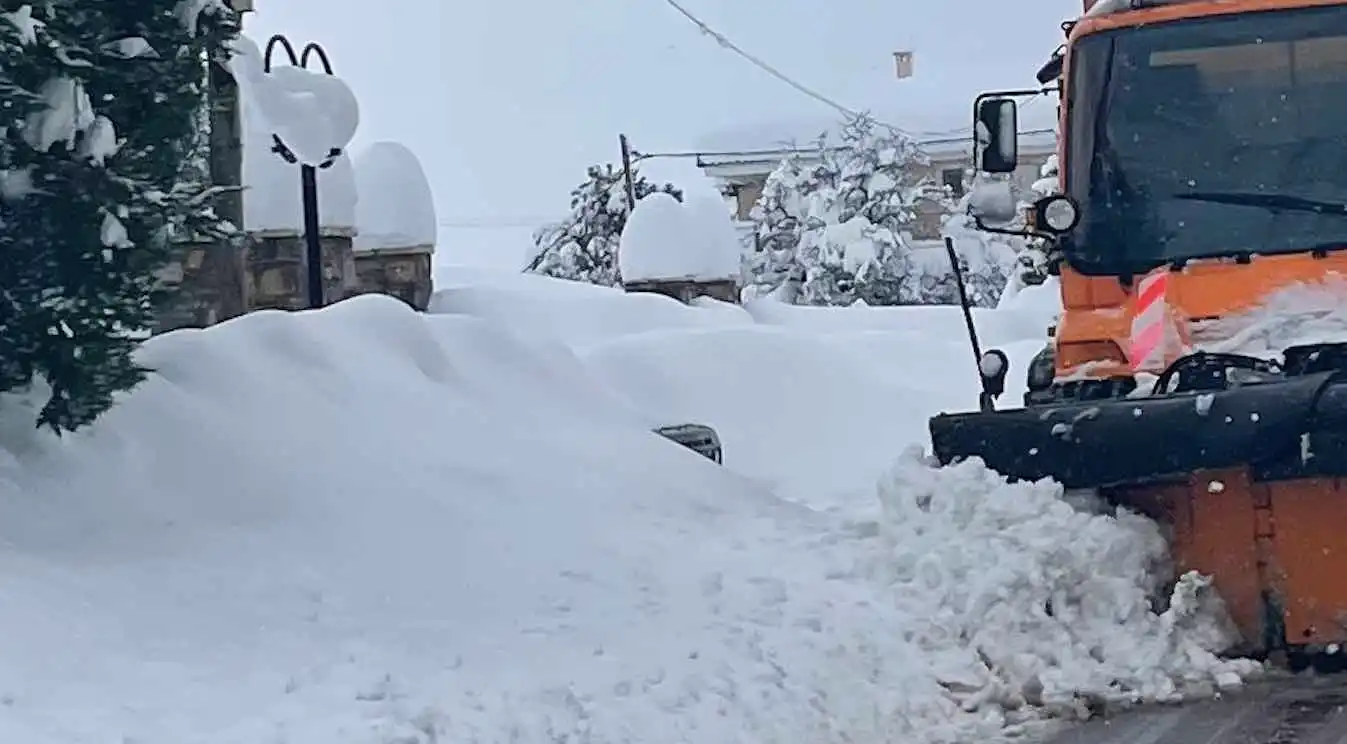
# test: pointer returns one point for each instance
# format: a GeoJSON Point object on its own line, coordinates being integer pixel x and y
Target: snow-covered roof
{"type": "Point", "coordinates": [752, 166]}
{"type": "Point", "coordinates": [395, 208]}
{"type": "Point", "coordinates": [666, 240]}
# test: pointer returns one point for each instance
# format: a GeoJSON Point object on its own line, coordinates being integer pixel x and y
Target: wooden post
{"type": "Point", "coordinates": [226, 169]}
{"type": "Point", "coordinates": [627, 177]}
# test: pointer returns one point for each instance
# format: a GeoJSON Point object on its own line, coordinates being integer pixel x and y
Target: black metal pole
{"type": "Point", "coordinates": [313, 238]}
{"type": "Point", "coordinates": [308, 174]}
{"type": "Point", "coordinates": [984, 399]}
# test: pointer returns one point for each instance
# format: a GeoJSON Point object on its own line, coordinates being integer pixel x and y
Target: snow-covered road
{"type": "Point", "coordinates": [367, 526]}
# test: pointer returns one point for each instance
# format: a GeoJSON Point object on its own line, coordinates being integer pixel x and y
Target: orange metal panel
{"type": "Point", "coordinates": [1179, 11]}
{"type": "Point", "coordinates": [1215, 533]}
{"type": "Point", "coordinates": [1222, 545]}
{"type": "Point", "coordinates": [1310, 543]}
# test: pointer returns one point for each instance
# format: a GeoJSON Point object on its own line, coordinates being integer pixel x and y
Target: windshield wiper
{"type": "Point", "coordinates": [1273, 202]}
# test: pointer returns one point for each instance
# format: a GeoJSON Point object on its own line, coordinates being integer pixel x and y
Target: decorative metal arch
{"type": "Point", "coordinates": [301, 59]}
{"type": "Point", "coordinates": [271, 49]}
{"type": "Point", "coordinates": [313, 48]}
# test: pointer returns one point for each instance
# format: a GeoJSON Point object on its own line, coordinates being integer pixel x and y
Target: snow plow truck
{"type": "Point", "coordinates": [1202, 158]}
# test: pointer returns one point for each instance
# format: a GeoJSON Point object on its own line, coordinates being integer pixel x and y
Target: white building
{"type": "Point", "coordinates": [740, 160]}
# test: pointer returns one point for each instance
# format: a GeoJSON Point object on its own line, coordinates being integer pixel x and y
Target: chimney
{"type": "Point", "coordinates": [902, 62]}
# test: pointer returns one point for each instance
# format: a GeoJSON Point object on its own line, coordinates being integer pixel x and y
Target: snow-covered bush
{"type": "Point", "coordinates": [772, 267]}
{"type": "Point", "coordinates": [834, 228]}
{"type": "Point", "coordinates": [988, 260]}
{"type": "Point", "coordinates": [856, 244]}
{"type": "Point", "coordinates": [584, 246]}
{"type": "Point", "coordinates": [99, 151]}
{"type": "Point", "coordinates": [1033, 261]}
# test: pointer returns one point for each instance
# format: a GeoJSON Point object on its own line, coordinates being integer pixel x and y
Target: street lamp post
{"type": "Point", "coordinates": [308, 173]}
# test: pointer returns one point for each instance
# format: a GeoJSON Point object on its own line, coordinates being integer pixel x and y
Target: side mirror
{"type": "Point", "coordinates": [995, 130]}
{"type": "Point", "coordinates": [992, 201]}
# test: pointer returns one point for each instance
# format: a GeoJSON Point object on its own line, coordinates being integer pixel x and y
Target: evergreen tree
{"type": "Point", "coordinates": [779, 217]}
{"type": "Point", "coordinates": [855, 243]}
{"type": "Point", "coordinates": [1033, 263]}
{"type": "Point", "coordinates": [102, 103]}
{"type": "Point", "coordinates": [583, 247]}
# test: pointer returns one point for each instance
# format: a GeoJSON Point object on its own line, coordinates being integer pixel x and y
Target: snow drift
{"type": "Point", "coordinates": [362, 525]}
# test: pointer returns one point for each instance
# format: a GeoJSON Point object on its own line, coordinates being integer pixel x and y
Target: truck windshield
{"type": "Point", "coordinates": [1209, 137]}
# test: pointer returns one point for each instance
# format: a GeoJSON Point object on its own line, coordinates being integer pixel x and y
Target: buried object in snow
{"type": "Point", "coordinates": [1177, 212]}
{"type": "Point", "coordinates": [699, 438]}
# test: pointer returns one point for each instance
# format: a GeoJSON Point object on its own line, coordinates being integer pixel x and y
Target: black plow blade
{"type": "Point", "coordinates": [1293, 427]}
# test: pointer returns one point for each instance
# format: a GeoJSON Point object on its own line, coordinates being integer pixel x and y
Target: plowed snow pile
{"type": "Point", "coordinates": [369, 526]}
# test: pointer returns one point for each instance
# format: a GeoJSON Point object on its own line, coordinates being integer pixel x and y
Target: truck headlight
{"type": "Point", "coordinates": [1056, 214]}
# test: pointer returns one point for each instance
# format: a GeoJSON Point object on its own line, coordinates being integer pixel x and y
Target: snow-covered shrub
{"type": "Point", "coordinates": [833, 227]}
{"type": "Point", "coordinates": [988, 260]}
{"type": "Point", "coordinates": [771, 267]}
{"type": "Point", "coordinates": [1033, 262]}
{"type": "Point", "coordinates": [584, 246]}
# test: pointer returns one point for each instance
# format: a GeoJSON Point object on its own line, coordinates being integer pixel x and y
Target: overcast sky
{"type": "Point", "coordinates": [507, 101]}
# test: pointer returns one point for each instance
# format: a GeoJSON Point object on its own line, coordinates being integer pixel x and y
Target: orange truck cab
{"type": "Point", "coordinates": [1203, 167]}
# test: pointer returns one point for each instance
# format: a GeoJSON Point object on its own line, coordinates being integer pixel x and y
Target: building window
{"type": "Point", "coordinates": [953, 178]}
{"type": "Point", "coordinates": [748, 196]}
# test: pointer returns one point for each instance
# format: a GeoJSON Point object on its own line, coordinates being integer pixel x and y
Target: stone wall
{"type": "Point", "coordinates": [276, 271]}
{"type": "Point", "coordinates": [207, 283]}
{"type": "Point", "coordinates": [687, 290]}
{"type": "Point", "coordinates": [203, 285]}
{"type": "Point", "coordinates": [404, 273]}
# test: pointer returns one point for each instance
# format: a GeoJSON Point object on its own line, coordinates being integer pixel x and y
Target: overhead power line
{"type": "Point", "coordinates": [761, 64]}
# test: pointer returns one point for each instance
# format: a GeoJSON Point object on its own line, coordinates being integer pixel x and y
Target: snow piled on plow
{"type": "Point", "coordinates": [1297, 315]}
{"type": "Point", "coordinates": [1026, 607]}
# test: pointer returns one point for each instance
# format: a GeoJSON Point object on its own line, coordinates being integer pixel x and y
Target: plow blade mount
{"type": "Point", "coordinates": [1293, 427]}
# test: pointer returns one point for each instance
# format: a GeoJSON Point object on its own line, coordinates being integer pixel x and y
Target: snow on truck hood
{"type": "Point", "coordinates": [1292, 316]}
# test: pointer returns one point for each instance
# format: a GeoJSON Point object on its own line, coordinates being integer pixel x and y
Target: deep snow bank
{"type": "Point", "coordinates": [814, 402]}
{"type": "Point", "coordinates": [365, 526]}
{"type": "Point", "coordinates": [571, 312]}
{"type": "Point", "coordinates": [813, 415]}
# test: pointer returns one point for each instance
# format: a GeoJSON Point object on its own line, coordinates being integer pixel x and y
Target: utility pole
{"type": "Point", "coordinates": [628, 179]}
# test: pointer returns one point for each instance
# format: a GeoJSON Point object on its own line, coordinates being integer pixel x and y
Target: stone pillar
{"type": "Point", "coordinates": [200, 286]}
{"type": "Point", "coordinates": [276, 269]}
{"type": "Point", "coordinates": [401, 272]}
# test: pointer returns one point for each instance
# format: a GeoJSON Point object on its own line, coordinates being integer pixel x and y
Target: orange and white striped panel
{"type": "Point", "coordinates": [1153, 336]}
